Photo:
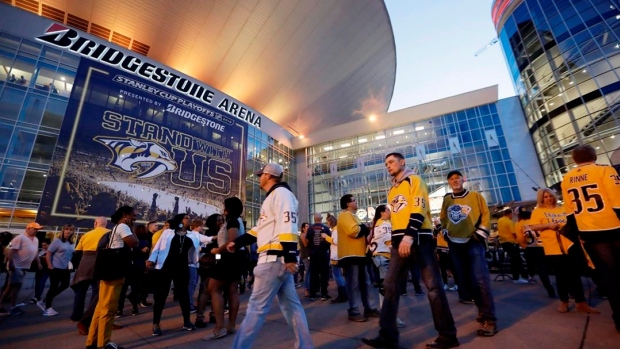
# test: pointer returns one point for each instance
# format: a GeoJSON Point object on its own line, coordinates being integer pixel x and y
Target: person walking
{"type": "Point", "coordinates": [352, 257]}
{"type": "Point", "coordinates": [564, 256]}
{"type": "Point", "coordinates": [592, 194]}
{"type": "Point", "coordinates": [170, 256]}
{"type": "Point", "coordinates": [412, 242]}
{"type": "Point", "coordinates": [319, 257]}
{"type": "Point", "coordinates": [466, 218]}
{"type": "Point", "coordinates": [21, 253]}
{"type": "Point", "coordinates": [276, 236]}
{"type": "Point", "coordinates": [509, 243]}
{"type": "Point", "coordinates": [332, 223]}
{"type": "Point", "coordinates": [41, 275]}
{"type": "Point", "coordinates": [58, 256]}
{"type": "Point", "coordinates": [100, 331]}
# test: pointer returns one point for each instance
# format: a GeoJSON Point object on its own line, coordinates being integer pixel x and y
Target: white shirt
{"type": "Point", "coordinates": [119, 232]}
{"type": "Point", "coordinates": [26, 250]}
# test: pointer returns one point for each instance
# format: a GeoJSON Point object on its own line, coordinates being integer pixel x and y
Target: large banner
{"type": "Point", "coordinates": [127, 141]}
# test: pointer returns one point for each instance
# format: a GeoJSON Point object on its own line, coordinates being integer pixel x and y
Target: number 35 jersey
{"type": "Point", "coordinates": [591, 192]}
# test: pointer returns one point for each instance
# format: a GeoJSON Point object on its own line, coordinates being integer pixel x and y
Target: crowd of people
{"type": "Point", "coordinates": [208, 262]}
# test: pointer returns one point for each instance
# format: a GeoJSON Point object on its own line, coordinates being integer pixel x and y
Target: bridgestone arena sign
{"type": "Point", "coordinates": [69, 39]}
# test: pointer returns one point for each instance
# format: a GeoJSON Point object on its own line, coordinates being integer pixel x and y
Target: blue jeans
{"type": "Point", "coordinates": [358, 288]}
{"type": "Point", "coordinates": [273, 280]}
{"type": "Point", "coordinates": [193, 282]}
{"type": "Point", "coordinates": [338, 277]}
{"type": "Point", "coordinates": [424, 255]}
{"type": "Point", "coordinates": [471, 267]}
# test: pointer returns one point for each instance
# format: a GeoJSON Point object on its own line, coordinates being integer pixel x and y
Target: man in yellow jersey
{"type": "Point", "coordinates": [591, 194]}
{"type": "Point", "coordinates": [466, 217]}
{"type": "Point", "coordinates": [412, 242]}
{"type": "Point", "coordinates": [509, 243]}
{"type": "Point", "coordinates": [352, 258]}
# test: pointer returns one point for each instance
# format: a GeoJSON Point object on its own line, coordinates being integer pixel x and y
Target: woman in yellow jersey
{"type": "Point", "coordinates": [548, 218]}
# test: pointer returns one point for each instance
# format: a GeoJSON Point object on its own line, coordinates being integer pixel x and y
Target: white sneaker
{"type": "Point", "coordinates": [520, 281]}
{"type": "Point", "coordinates": [445, 287]}
{"type": "Point", "coordinates": [50, 312]}
{"type": "Point", "coordinates": [400, 323]}
{"type": "Point", "coordinates": [453, 288]}
{"type": "Point", "coordinates": [41, 305]}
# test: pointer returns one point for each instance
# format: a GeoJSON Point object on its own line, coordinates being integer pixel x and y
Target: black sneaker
{"type": "Point", "coordinates": [443, 343]}
{"type": "Point", "coordinates": [33, 300]}
{"type": "Point", "coordinates": [380, 343]}
{"type": "Point", "coordinates": [325, 297]}
{"type": "Point", "coordinates": [200, 324]}
{"type": "Point", "coordinates": [135, 311]}
{"type": "Point", "coordinates": [188, 326]}
{"type": "Point", "coordinates": [3, 311]}
{"type": "Point", "coordinates": [157, 330]}
{"type": "Point", "coordinates": [111, 345]}
{"type": "Point", "coordinates": [487, 329]}
{"type": "Point", "coordinates": [467, 301]}
{"type": "Point", "coordinates": [119, 314]}
{"type": "Point", "coordinates": [357, 318]}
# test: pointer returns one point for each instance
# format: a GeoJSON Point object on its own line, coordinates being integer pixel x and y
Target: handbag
{"type": "Point", "coordinates": [111, 263]}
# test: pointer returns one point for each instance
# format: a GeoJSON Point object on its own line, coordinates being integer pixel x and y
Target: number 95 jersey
{"type": "Point", "coordinates": [591, 192]}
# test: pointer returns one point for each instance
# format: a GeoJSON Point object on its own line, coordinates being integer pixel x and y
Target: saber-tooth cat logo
{"type": "Point", "coordinates": [129, 153]}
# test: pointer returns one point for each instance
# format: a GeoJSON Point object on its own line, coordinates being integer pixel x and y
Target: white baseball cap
{"type": "Point", "coordinates": [272, 169]}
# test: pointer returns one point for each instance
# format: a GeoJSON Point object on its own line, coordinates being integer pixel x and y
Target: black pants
{"type": "Point", "coordinates": [163, 278]}
{"type": "Point", "coordinates": [516, 265]}
{"type": "Point", "coordinates": [319, 274]}
{"type": "Point", "coordinates": [535, 258]}
{"type": "Point", "coordinates": [59, 281]}
{"type": "Point", "coordinates": [567, 277]}
{"type": "Point", "coordinates": [134, 281]}
{"type": "Point", "coordinates": [606, 258]}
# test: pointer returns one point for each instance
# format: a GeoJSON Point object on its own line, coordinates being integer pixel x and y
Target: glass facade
{"type": "Point", "coordinates": [564, 58]}
{"type": "Point", "coordinates": [35, 84]}
{"type": "Point", "coordinates": [471, 141]}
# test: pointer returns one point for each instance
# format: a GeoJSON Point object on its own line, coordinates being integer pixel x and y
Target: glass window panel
{"type": "Point", "coordinates": [44, 77]}
{"type": "Point", "coordinates": [6, 60]}
{"type": "Point", "coordinates": [20, 146]}
{"type": "Point", "coordinates": [63, 81]}
{"type": "Point", "coordinates": [23, 68]}
{"type": "Point", "coordinates": [54, 113]}
{"type": "Point", "coordinates": [51, 54]}
{"type": "Point", "coordinates": [70, 60]}
{"type": "Point", "coordinates": [10, 181]}
{"type": "Point", "coordinates": [30, 47]}
{"type": "Point", "coordinates": [43, 149]}
{"type": "Point", "coordinates": [5, 131]}
{"type": "Point", "coordinates": [33, 109]}
{"type": "Point", "coordinates": [32, 187]}
{"type": "Point", "coordinates": [10, 103]}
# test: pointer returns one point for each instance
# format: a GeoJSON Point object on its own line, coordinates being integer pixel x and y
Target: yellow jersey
{"type": "Point", "coordinates": [408, 201]}
{"type": "Point", "coordinates": [551, 239]}
{"type": "Point", "coordinates": [506, 230]}
{"type": "Point", "coordinates": [591, 193]}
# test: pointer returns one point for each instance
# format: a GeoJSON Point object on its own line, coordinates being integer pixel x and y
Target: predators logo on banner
{"type": "Point", "coordinates": [127, 141]}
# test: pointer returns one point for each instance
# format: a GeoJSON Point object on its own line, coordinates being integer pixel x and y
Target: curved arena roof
{"type": "Point", "coordinates": [305, 64]}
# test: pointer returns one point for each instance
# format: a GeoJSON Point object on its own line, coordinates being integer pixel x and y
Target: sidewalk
{"type": "Point", "coordinates": [527, 319]}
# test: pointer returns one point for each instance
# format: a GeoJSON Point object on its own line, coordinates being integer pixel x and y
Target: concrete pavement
{"type": "Point", "coordinates": [527, 319]}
